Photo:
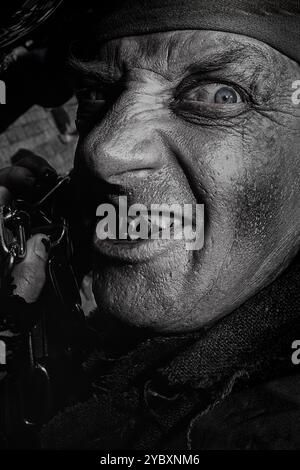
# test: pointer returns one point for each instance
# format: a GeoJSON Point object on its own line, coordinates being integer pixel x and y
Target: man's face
{"type": "Point", "coordinates": [191, 117]}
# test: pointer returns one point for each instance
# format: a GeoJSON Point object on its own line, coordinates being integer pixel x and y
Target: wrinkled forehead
{"type": "Point", "coordinates": [175, 52]}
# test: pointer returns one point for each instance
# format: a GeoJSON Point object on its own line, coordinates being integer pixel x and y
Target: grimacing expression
{"type": "Point", "coordinates": [191, 117]}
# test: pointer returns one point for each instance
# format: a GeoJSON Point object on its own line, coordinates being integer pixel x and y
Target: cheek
{"type": "Point", "coordinates": [214, 164]}
{"type": "Point", "coordinates": [244, 175]}
{"type": "Point", "coordinates": [271, 182]}
{"type": "Point", "coordinates": [259, 210]}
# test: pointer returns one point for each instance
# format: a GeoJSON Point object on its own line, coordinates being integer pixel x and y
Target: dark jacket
{"type": "Point", "coordinates": [162, 392]}
{"type": "Point", "coordinates": [232, 385]}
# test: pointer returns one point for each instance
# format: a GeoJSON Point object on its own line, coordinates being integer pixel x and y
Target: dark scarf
{"type": "Point", "coordinates": [274, 22]}
{"type": "Point", "coordinates": [148, 396]}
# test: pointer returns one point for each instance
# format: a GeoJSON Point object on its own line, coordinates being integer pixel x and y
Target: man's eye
{"type": "Point", "coordinates": [87, 94]}
{"type": "Point", "coordinates": [91, 105]}
{"type": "Point", "coordinates": [214, 93]}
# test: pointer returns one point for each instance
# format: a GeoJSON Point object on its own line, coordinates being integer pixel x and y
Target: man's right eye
{"type": "Point", "coordinates": [88, 94]}
{"type": "Point", "coordinates": [91, 105]}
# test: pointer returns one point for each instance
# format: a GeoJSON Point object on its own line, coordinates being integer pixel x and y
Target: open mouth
{"type": "Point", "coordinates": [144, 226]}
{"type": "Point", "coordinates": [139, 238]}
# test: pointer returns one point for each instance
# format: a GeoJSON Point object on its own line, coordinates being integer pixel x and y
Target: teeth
{"type": "Point", "coordinates": [133, 225]}
{"type": "Point", "coordinates": [177, 223]}
{"type": "Point", "coordinates": [158, 224]}
{"type": "Point", "coordinates": [189, 233]}
{"type": "Point", "coordinates": [165, 222]}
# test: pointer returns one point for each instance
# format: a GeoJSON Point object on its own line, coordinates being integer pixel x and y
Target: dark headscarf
{"type": "Point", "coordinates": [275, 22]}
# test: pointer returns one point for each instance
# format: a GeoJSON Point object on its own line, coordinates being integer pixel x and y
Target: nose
{"type": "Point", "coordinates": [128, 143]}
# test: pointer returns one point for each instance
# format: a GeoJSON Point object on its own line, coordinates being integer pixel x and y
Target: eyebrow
{"type": "Point", "coordinates": [212, 61]}
{"type": "Point", "coordinates": [218, 60]}
{"type": "Point", "coordinates": [92, 70]}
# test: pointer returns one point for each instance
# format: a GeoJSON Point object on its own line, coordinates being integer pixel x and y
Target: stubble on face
{"type": "Point", "coordinates": [240, 160]}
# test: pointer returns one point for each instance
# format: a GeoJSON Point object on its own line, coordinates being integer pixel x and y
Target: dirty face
{"type": "Point", "coordinates": [191, 117]}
